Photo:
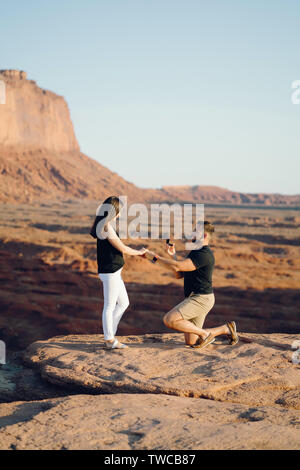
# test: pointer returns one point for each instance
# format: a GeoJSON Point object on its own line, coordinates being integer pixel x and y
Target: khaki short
{"type": "Point", "coordinates": [195, 307]}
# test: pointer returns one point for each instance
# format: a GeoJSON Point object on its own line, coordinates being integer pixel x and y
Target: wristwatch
{"type": "Point", "coordinates": [154, 259]}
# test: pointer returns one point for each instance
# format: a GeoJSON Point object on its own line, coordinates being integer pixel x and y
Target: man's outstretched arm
{"type": "Point", "coordinates": [175, 265]}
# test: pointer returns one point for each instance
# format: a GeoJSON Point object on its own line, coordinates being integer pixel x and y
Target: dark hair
{"type": "Point", "coordinates": [108, 213]}
{"type": "Point", "coordinates": [208, 227]}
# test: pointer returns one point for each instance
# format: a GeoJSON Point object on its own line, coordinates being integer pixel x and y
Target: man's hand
{"type": "Point", "coordinates": [184, 265]}
{"type": "Point", "coordinates": [171, 249]}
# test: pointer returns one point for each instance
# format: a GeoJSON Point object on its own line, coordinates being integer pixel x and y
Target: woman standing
{"type": "Point", "coordinates": [110, 251]}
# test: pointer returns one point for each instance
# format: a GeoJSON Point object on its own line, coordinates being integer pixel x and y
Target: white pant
{"type": "Point", "coordinates": [115, 302]}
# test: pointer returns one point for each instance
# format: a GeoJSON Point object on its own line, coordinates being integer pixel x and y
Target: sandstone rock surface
{"type": "Point", "coordinates": [257, 371]}
{"type": "Point", "coordinates": [145, 421]}
{"type": "Point", "coordinates": [22, 383]}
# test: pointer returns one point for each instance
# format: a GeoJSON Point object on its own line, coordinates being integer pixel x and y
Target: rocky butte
{"type": "Point", "coordinates": [34, 119]}
{"type": "Point", "coordinates": [40, 157]}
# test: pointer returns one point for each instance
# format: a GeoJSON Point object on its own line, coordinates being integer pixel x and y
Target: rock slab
{"type": "Point", "coordinates": [147, 421]}
{"type": "Point", "coordinates": [257, 371]}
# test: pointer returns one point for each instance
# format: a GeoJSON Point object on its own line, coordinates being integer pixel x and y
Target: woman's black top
{"type": "Point", "coordinates": [109, 259]}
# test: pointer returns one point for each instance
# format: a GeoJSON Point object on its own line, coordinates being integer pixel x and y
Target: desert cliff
{"type": "Point", "coordinates": [34, 119]}
{"type": "Point", "coordinates": [40, 157]}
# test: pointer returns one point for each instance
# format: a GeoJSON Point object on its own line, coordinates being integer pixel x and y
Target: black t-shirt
{"type": "Point", "coordinates": [109, 259]}
{"type": "Point", "coordinates": [200, 280]}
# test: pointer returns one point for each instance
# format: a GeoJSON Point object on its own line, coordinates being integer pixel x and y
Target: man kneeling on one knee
{"type": "Point", "coordinates": [188, 316]}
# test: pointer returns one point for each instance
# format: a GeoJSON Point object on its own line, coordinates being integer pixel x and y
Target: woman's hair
{"type": "Point", "coordinates": [109, 209]}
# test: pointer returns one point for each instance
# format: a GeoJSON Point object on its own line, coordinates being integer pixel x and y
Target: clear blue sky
{"type": "Point", "coordinates": [168, 92]}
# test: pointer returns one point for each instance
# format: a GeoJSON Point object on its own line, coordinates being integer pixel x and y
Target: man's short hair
{"type": "Point", "coordinates": [208, 227]}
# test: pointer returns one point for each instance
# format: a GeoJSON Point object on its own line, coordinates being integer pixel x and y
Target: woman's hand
{"type": "Point", "coordinates": [142, 251]}
{"type": "Point", "coordinates": [150, 253]}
